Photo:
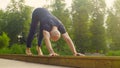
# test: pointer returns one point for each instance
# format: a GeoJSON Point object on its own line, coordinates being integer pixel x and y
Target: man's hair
{"type": "Point", "coordinates": [55, 33]}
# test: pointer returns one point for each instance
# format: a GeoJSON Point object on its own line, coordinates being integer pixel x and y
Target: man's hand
{"type": "Point", "coordinates": [53, 54]}
{"type": "Point", "coordinates": [78, 54]}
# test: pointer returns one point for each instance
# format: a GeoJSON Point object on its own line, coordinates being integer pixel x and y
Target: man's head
{"type": "Point", "coordinates": [55, 34]}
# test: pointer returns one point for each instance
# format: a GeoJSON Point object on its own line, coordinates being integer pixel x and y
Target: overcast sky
{"type": "Point", "coordinates": [40, 3]}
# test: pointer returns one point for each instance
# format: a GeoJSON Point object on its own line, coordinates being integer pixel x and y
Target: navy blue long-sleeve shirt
{"type": "Point", "coordinates": [47, 21]}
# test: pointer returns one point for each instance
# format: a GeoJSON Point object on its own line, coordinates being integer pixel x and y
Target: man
{"type": "Point", "coordinates": [50, 29]}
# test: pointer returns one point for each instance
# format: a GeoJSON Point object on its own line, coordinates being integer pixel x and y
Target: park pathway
{"type": "Point", "coordinates": [5, 63]}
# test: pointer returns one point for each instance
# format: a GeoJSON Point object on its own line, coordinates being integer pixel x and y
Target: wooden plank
{"type": "Point", "coordinates": [72, 61]}
{"type": "Point", "coordinates": [115, 64]}
{"type": "Point", "coordinates": [103, 64]}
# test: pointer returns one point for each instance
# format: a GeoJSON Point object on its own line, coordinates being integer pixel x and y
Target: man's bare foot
{"type": "Point", "coordinates": [28, 52]}
{"type": "Point", "coordinates": [53, 54]}
{"type": "Point", "coordinates": [39, 51]}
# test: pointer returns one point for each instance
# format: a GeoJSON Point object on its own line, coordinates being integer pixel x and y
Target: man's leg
{"type": "Point", "coordinates": [38, 48]}
{"type": "Point", "coordinates": [28, 51]}
{"type": "Point", "coordinates": [40, 38]}
{"type": "Point", "coordinates": [31, 35]}
{"type": "Point", "coordinates": [29, 40]}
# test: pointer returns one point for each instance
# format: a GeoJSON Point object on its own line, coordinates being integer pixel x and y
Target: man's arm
{"type": "Point", "coordinates": [46, 35]}
{"type": "Point", "coordinates": [47, 41]}
{"type": "Point", "coordinates": [71, 44]}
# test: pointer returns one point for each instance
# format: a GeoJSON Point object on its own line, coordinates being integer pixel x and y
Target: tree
{"type": "Point", "coordinates": [80, 16]}
{"type": "Point", "coordinates": [18, 17]}
{"type": "Point", "coordinates": [62, 13]}
{"type": "Point", "coordinates": [98, 39]}
{"type": "Point", "coordinates": [113, 26]}
{"type": "Point", "coordinates": [3, 22]}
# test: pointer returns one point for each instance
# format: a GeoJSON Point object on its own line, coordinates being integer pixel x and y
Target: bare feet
{"type": "Point", "coordinates": [79, 54]}
{"type": "Point", "coordinates": [28, 52]}
{"type": "Point", "coordinates": [39, 51]}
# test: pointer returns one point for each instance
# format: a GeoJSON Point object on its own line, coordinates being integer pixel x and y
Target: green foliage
{"type": "Point", "coordinates": [17, 49]}
{"type": "Point", "coordinates": [14, 49]}
{"type": "Point", "coordinates": [97, 29]}
{"type": "Point", "coordinates": [4, 40]}
{"type": "Point", "coordinates": [16, 20]}
{"type": "Point", "coordinates": [44, 49]}
{"type": "Point", "coordinates": [85, 23]}
{"type": "Point", "coordinates": [5, 50]}
{"type": "Point", "coordinates": [62, 13]}
{"type": "Point", "coordinates": [80, 24]}
{"type": "Point", "coordinates": [98, 39]}
{"type": "Point", "coordinates": [3, 21]}
{"type": "Point", "coordinates": [113, 27]}
{"type": "Point", "coordinates": [113, 53]}
{"type": "Point", "coordinates": [61, 48]}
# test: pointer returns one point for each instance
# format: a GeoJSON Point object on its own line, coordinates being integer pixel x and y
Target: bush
{"type": "Point", "coordinates": [17, 49]}
{"type": "Point", "coordinates": [113, 53]}
{"type": "Point", "coordinates": [5, 51]}
{"type": "Point", "coordinates": [4, 40]}
{"type": "Point", "coordinates": [14, 49]}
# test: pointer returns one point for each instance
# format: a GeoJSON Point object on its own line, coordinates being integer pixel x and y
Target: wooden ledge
{"type": "Point", "coordinates": [72, 61]}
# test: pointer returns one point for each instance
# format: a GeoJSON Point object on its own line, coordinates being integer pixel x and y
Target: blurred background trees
{"type": "Point", "coordinates": [93, 27]}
